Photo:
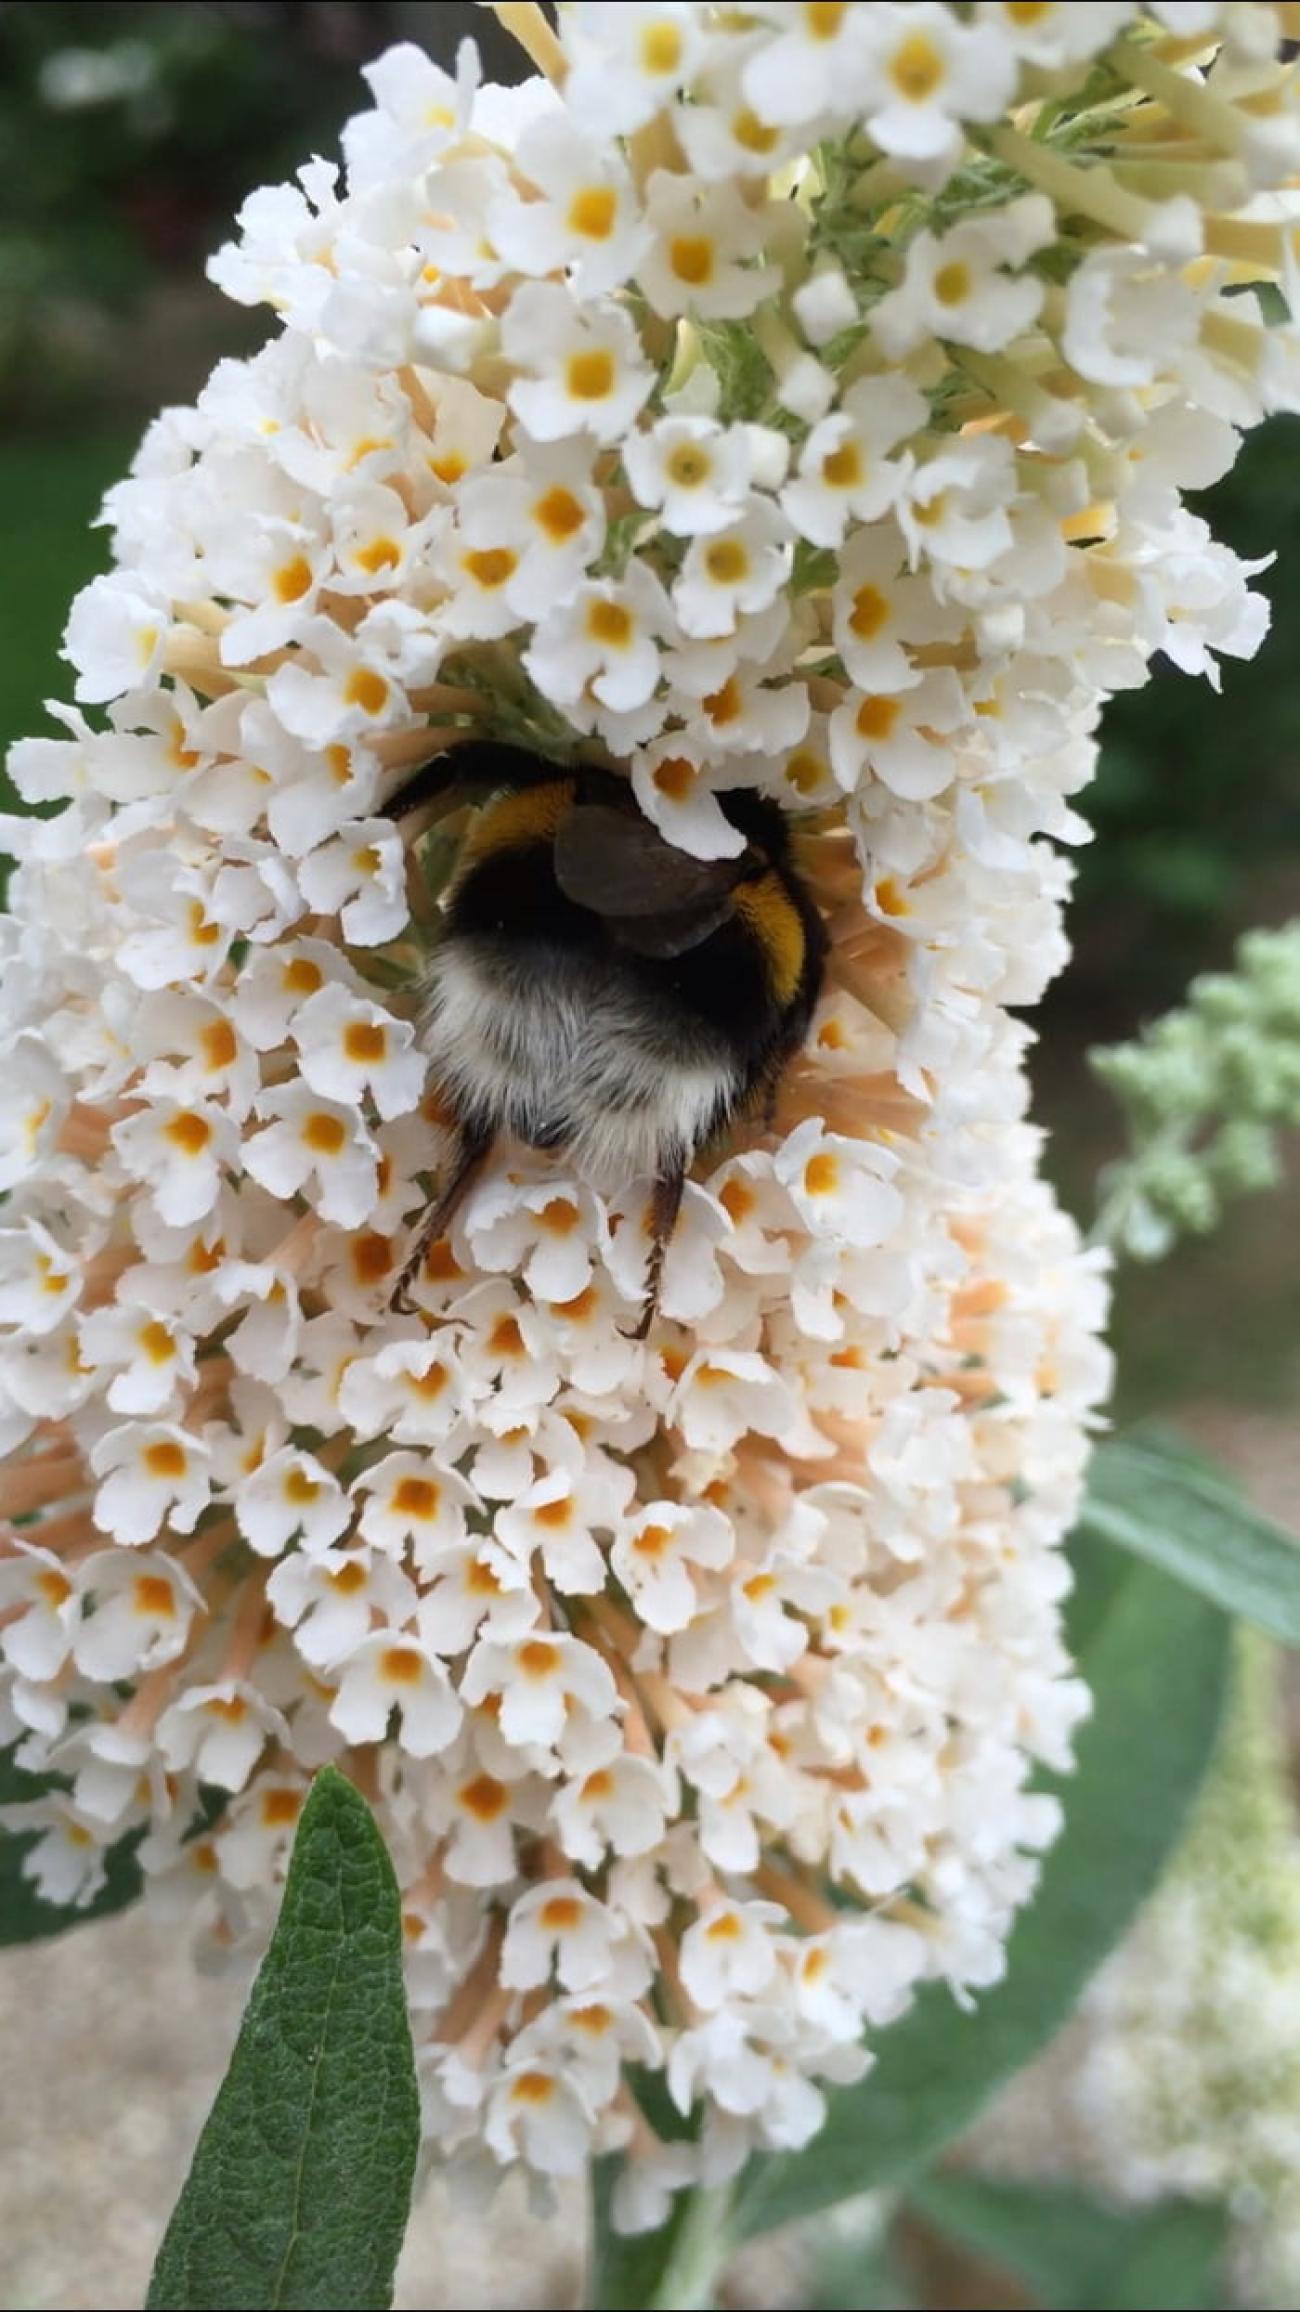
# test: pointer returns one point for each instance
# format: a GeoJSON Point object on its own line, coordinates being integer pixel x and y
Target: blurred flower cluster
{"type": "Point", "coordinates": [1180, 2076]}
{"type": "Point", "coordinates": [1206, 1092]}
{"type": "Point", "coordinates": [797, 400]}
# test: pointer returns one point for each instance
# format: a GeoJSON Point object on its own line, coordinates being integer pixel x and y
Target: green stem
{"type": "Point", "coordinates": [698, 2254]}
{"type": "Point", "coordinates": [671, 2270]}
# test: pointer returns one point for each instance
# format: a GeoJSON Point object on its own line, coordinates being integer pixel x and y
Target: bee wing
{"type": "Point", "coordinates": [615, 863]}
{"type": "Point", "coordinates": [665, 935]}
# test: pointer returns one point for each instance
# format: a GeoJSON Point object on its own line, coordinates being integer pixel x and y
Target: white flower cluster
{"type": "Point", "coordinates": [795, 399]}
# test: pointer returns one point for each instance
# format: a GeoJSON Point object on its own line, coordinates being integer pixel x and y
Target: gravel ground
{"type": "Point", "coordinates": [111, 2048]}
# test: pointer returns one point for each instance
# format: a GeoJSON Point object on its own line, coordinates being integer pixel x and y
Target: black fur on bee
{"type": "Point", "coordinates": [598, 991]}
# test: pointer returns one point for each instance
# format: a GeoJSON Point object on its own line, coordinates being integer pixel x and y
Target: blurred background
{"type": "Point", "coordinates": [128, 137]}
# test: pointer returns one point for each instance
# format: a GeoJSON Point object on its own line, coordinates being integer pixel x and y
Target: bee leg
{"type": "Point", "coordinates": [472, 1149]}
{"type": "Point", "coordinates": [665, 1204]}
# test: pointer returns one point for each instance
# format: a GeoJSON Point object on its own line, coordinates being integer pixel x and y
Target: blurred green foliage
{"type": "Point", "coordinates": [49, 494]}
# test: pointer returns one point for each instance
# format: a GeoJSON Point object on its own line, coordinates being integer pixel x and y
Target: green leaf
{"type": "Point", "coordinates": [1157, 1666]}
{"type": "Point", "coordinates": [301, 2184]}
{"type": "Point", "coordinates": [1073, 2250]}
{"type": "Point", "coordinates": [25, 1916]}
{"type": "Point", "coordinates": [1046, 2235]}
{"type": "Point", "coordinates": [1174, 2265]}
{"type": "Point", "coordinates": [1169, 1509]}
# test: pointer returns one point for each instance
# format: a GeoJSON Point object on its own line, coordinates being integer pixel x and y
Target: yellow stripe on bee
{"type": "Point", "coordinates": [766, 907]}
{"type": "Point", "coordinates": [533, 815]}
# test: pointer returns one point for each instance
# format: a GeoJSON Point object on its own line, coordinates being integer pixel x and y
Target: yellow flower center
{"type": "Point", "coordinates": [592, 212]}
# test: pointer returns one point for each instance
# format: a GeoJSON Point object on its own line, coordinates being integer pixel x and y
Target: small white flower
{"type": "Point", "coordinates": [66, 1861]}
{"type": "Point", "coordinates": [652, 1556]}
{"type": "Point", "coordinates": [900, 738]}
{"type": "Point", "coordinates": [291, 1496]}
{"type": "Point", "coordinates": [1063, 34]}
{"type": "Point", "coordinates": [582, 368]}
{"type": "Point", "coordinates": [924, 72]}
{"type": "Point", "coordinates": [36, 1101]}
{"type": "Point", "coordinates": [151, 1363]}
{"type": "Point", "coordinates": [603, 642]}
{"type": "Point", "coordinates": [845, 470]}
{"type": "Point", "coordinates": [116, 636]}
{"type": "Point", "coordinates": [744, 714]}
{"type": "Point", "coordinates": [256, 1830]}
{"type": "Point", "coordinates": [548, 1231]}
{"type": "Point", "coordinates": [541, 2117]}
{"type": "Point", "coordinates": [560, 1927]}
{"type": "Point", "coordinates": [628, 62]}
{"type": "Point", "coordinates": [411, 1391]}
{"type": "Point", "coordinates": [586, 216]}
{"type": "Point", "coordinates": [347, 1048]}
{"type": "Point", "coordinates": [824, 304]}
{"type": "Point", "coordinates": [472, 1586]}
{"type": "Point", "coordinates": [274, 984]}
{"type": "Point", "coordinates": [721, 133]}
{"type": "Point", "coordinates": [725, 1392]}
{"type": "Point", "coordinates": [953, 509]}
{"type": "Point", "coordinates": [194, 1052]}
{"type": "Point", "coordinates": [360, 875]}
{"type": "Point", "coordinates": [539, 1680]}
{"type": "Point", "coordinates": [329, 1599]}
{"type": "Point", "coordinates": [840, 1187]}
{"type": "Point", "coordinates": [220, 1731]}
{"type": "Point", "coordinates": [1125, 315]}
{"type": "Point", "coordinates": [729, 1953]}
{"type": "Point", "coordinates": [702, 258]}
{"type": "Point", "coordinates": [414, 1503]}
{"type": "Point", "coordinates": [954, 285]}
{"type": "Point", "coordinates": [695, 472]}
{"type": "Point", "coordinates": [878, 610]}
{"type": "Point", "coordinates": [622, 1806]}
{"type": "Point", "coordinates": [143, 1606]}
{"type": "Point", "coordinates": [352, 694]}
{"type": "Point", "coordinates": [153, 1474]}
{"type": "Point", "coordinates": [526, 533]}
{"type": "Point", "coordinates": [314, 1146]}
{"type": "Point", "coordinates": [180, 937]}
{"type": "Point", "coordinates": [555, 1521]}
{"type": "Point", "coordinates": [377, 546]}
{"type": "Point", "coordinates": [39, 1281]}
{"type": "Point", "coordinates": [734, 572]}
{"type": "Point", "coordinates": [805, 66]}
{"type": "Point", "coordinates": [393, 1671]}
{"type": "Point", "coordinates": [42, 1608]}
{"type": "Point", "coordinates": [678, 795]}
{"type": "Point", "coordinates": [481, 1818]}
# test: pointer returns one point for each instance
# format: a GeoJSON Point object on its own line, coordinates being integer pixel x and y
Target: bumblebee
{"type": "Point", "coordinates": [598, 991]}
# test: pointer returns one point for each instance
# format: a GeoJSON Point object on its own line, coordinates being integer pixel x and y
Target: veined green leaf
{"type": "Point", "coordinates": [301, 2184]}
{"type": "Point", "coordinates": [1167, 1508]}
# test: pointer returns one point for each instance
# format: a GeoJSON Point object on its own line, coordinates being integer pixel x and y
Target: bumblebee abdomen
{"type": "Point", "coordinates": [555, 1047]}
